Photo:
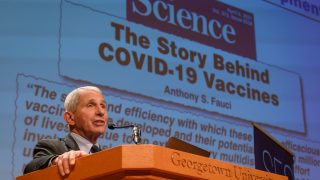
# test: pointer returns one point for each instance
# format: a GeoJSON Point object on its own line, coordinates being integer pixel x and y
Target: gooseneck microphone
{"type": "Point", "coordinates": [136, 132]}
{"type": "Point", "coordinates": [113, 126]}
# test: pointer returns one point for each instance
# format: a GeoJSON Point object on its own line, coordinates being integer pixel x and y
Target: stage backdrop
{"type": "Point", "coordinates": [201, 71]}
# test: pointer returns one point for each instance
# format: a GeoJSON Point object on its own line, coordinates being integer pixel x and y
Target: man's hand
{"type": "Point", "coordinates": [67, 160]}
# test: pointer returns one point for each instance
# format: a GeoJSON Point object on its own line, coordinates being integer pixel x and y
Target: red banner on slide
{"type": "Point", "coordinates": [208, 22]}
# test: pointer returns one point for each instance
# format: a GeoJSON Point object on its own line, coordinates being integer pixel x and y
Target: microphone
{"type": "Point", "coordinates": [113, 126]}
{"type": "Point", "coordinates": [136, 132]}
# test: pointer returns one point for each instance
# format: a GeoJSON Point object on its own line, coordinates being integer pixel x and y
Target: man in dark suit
{"type": "Point", "coordinates": [86, 115]}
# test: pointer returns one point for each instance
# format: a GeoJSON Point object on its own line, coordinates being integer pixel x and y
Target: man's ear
{"type": "Point", "coordinates": [68, 117]}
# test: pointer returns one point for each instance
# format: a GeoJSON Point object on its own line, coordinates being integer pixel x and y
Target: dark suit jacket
{"type": "Point", "coordinates": [47, 149]}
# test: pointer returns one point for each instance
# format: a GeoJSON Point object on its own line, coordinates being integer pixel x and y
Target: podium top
{"type": "Point", "coordinates": [151, 162]}
{"type": "Point", "coordinates": [177, 144]}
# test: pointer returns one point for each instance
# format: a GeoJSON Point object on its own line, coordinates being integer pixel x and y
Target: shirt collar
{"type": "Point", "coordinates": [84, 144]}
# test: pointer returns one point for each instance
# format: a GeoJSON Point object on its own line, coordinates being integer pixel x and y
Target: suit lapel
{"type": "Point", "coordinates": [71, 143]}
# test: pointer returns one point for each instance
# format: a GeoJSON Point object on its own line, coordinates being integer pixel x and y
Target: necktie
{"type": "Point", "coordinates": [95, 149]}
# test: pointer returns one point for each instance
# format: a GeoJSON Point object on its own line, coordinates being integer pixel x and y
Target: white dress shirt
{"type": "Point", "coordinates": [84, 144]}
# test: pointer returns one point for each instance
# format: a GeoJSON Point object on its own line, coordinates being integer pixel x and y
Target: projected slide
{"type": "Point", "coordinates": [227, 81]}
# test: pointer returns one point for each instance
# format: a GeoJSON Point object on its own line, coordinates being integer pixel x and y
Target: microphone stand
{"type": "Point", "coordinates": [136, 132]}
{"type": "Point", "coordinates": [136, 135]}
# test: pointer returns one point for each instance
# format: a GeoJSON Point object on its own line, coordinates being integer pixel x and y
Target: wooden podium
{"type": "Point", "coordinates": [151, 162]}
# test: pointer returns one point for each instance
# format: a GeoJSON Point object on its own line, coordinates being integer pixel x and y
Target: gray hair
{"type": "Point", "coordinates": [71, 101]}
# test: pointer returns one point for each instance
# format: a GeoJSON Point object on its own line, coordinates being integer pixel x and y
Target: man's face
{"type": "Point", "coordinates": [91, 116]}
